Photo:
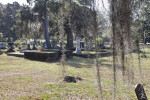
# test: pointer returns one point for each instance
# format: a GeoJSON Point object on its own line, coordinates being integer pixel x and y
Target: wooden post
{"type": "Point", "coordinates": [140, 93]}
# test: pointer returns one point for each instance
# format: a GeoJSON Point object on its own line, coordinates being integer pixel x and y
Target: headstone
{"type": "Point", "coordinates": [34, 47]}
{"type": "Point", "coordinates": [82, 45]}
{"type": "Point", "coordinates": [28, 47]}
{"type": "Point", "coordinates": [78, 49]}
{"type": "Point", "coordinates": [140, 93]}
{"type": "Point", "coordinates": [11, 45]}
{"type": "Point", "coordinates": [2, 45]}
{"type": "Point", "coordinates": [54, 44]}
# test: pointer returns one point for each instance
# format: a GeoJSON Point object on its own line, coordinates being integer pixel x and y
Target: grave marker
{"type": "Point", "coordinates": [2, 45]}
{"type": "Point", "coordinates": [78, 49]}
{"type": "Point", "coordinates": [11, 45]}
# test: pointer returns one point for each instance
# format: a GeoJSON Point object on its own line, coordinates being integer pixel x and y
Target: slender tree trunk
{"type": "Point", "coordinates": [139, 59]}
{"type": "Point", "coordinates": [98, 72]}
{"type": "Point", "coordinates": [47, 37]}
{"type": "Point", "coordinates": [69, 37]}
{"type": "Point", "coordinates": [113, 18]}
{"type": "Point", "coordinates": [61, 32]}
{"type": "Point", "coordinates": [122, 56]}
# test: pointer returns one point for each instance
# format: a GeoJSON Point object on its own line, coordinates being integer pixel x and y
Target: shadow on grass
{"type": "Point", "coordinates": [78, 62]}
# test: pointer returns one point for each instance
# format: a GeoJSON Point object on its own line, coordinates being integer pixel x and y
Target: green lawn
{"type": "Point", "coordinates": [22, 79]}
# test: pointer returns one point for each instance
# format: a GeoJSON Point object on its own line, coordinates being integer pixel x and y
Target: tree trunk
{"type": "Point", "coordinates": [47, 38]}
{"type": "Point", "coordinates": [69, 38]}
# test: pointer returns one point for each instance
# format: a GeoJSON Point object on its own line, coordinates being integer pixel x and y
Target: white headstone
{"type": "Point", "coordinates": [78, 49]}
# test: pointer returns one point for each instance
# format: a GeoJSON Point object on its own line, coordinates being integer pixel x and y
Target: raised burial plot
{"type": "Point", "coordinates": [46, 55]}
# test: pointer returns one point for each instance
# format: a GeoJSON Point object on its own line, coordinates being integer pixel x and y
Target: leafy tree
{"type": "Point", "coordinates": [43, 10]}
{"type": "Point", "coordinates": [7, 18]}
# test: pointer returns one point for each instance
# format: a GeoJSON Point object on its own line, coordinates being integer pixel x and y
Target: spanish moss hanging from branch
{"type": "Point", "coordinates": [61, 32]}
{"type": "Point", "coordinates": [95, 32]}
{"type": "Point", "coordinates": [121, 22]}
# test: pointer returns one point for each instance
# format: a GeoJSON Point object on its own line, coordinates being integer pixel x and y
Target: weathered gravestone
{"type": "Point", "coordinates": [2, 45]}
{"type": "Point", "coordinates": [140, 93]}
{"type": "Point", "coordinates": [11, 45]}
{"type": "Point", "coordinates": [78, 49]}
{"type": "Point", "coordinates": [34, 47]}
{"type": "Point", "coordinates": [54, 44]}
{"type": "Point", "coordinates": [28, 47]}
{"type": "Point", "coordinates": [82, 45]}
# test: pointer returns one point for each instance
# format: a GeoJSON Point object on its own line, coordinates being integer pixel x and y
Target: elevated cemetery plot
{"type": "Point", "coordinates": [47, 55]}
{"type": "Point", "coordinates": [15, 54]}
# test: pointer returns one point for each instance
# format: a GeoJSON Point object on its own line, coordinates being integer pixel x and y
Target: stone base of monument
{"type": "Point", "coordinates": [78, 52]}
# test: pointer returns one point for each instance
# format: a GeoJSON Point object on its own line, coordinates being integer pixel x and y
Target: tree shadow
{"type": "Point", "coordinates": [110, 65]}
{"type": "Point", "coordinates": [78, 62]}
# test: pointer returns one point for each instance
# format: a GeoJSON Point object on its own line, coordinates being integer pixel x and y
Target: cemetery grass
{"type": "Point", "coordinates": [22, 79]}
